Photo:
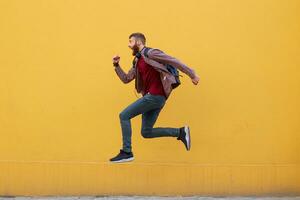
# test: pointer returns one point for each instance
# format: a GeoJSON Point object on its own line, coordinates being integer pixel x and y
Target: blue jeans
{"type": "Point", "coordinates": [149, 106]}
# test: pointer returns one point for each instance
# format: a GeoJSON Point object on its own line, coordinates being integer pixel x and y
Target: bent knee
{"type": "Point", "coordinates": [146, 133]}
{"type": "Point", "coordinates": [123, 116]}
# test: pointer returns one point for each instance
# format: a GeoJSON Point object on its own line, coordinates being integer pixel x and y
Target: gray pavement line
{"type": "Point", "coordinates": [148, 163]}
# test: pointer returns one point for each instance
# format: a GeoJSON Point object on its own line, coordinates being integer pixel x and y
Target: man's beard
{"type": "Point", "coordinates": [135, 50]}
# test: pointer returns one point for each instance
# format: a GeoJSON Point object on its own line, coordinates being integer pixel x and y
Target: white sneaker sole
{"type": "Point", "coordinates": [123, 160]}
{"type": "Point", "coordinates": [187, 137]}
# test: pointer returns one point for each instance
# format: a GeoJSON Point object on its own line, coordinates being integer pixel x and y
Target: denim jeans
{"type": "Point", "coordinates": [149, 106]}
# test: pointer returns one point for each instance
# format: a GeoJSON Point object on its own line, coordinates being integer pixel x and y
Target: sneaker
{"type": "Point", "coordinates": [185, 137]}
{"type": "Point", "coordinates": [123, 156]}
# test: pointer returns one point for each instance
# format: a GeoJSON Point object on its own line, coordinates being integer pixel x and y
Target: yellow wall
{"type": "Point", "coordinates": [60, 97]}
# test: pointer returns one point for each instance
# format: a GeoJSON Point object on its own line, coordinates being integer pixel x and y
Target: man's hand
{"type": "Point", "coordinates": [196, 80]}
{"type": "Point", "coordinates": [116, 60]}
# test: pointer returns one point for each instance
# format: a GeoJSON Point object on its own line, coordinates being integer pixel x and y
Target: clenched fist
{"type": "Point", "coordinates": [196, 80]}
{"type": "Point", "coordinates": [116, 60]}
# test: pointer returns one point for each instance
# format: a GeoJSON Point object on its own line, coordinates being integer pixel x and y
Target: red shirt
{"type": "Point", "coordinates": [150, 77]}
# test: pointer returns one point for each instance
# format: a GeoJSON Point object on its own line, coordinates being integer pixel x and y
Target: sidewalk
{"type": "Point", "coordinates": [148, 198]}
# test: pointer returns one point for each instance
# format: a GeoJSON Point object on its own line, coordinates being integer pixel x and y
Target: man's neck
{"type": "Point", "coordinates": [141, 48]}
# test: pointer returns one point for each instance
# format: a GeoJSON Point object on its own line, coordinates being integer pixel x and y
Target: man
{"type": "Point", "coordinates": [154, 82]}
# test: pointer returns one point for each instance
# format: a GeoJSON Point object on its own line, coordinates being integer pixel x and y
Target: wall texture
{"type": "Point", "coordinates": [60, 97]}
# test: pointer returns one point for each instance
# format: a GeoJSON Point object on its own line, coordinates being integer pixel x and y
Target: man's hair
{"type": "Point", "coordinates": [139, 36]}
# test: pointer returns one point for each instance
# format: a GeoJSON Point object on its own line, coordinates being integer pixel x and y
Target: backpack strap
{"type": "Point", "coordinates": [146, 51]}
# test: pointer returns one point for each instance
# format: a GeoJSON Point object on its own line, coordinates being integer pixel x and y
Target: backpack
{"type": "Point", "coordinates": [174, 71]}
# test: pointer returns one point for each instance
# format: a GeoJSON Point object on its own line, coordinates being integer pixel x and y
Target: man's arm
{"type": "Point", "coordinates": [162, 57]}
{"type": "Point", "coordinates": [125, 78]}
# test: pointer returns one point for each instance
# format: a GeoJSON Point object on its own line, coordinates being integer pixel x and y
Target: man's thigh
{"type": "Point", "coordinates": [140, 106]}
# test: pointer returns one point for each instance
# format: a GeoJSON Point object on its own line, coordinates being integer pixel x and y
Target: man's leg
{"type": "Point", "coordinates": [148, 120]}
{"type": "Point", "coordinates": [142, 105]}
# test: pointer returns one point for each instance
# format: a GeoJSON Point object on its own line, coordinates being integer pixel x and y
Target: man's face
{"type": "Point", "coordinates": [133, 45]}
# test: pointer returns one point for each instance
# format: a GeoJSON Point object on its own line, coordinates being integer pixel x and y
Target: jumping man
{"type": "Point", "coordinates": [155, 82]}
